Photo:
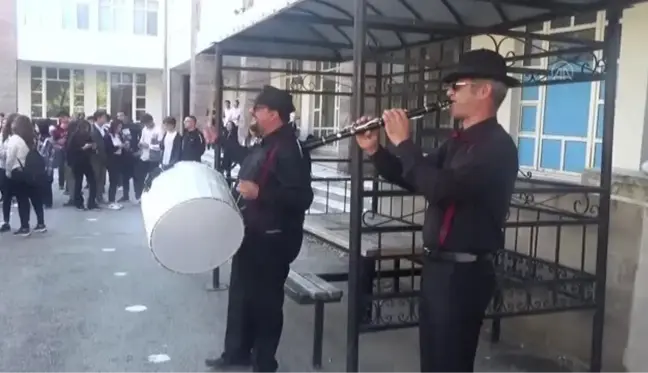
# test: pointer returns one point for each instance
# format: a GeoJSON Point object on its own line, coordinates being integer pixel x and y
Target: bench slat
{"type": "Point", "coordinates": [308, 286]}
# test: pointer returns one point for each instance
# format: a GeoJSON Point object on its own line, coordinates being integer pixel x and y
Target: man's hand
{"type": "Point", "coordinates": [248, 189]}
{"type": "Point", "coordinates": [397, 125]}
{"type": "Point", "coordinates": [368, 141]}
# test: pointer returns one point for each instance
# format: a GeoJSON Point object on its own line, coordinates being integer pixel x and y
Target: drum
{"type": "Point", "coordinates": [192, 222]}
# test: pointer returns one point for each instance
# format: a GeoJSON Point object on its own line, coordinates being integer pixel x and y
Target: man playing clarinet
{"type": "Point", "coordinates": [275, 189]}
{"type": "Point", "coordinates": [468, 182]}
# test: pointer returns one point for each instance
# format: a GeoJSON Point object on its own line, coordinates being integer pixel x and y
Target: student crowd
{"type": "Point", "coordinates": [93, 147]}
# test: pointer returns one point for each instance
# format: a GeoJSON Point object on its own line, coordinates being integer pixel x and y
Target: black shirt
{"type": "Point", "coordinates": [468, 182]}
{"type": "Point", "coordinates": [193, 145]}
{"type": "Point", "coordinates": [283, 172]}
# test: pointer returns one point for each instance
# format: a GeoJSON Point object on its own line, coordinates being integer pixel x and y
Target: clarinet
{"type": "Point", "coordinates": [373, 124]}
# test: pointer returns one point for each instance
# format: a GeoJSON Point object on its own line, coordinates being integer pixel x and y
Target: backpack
{"type": "Point", "coordinates": [33, 171]}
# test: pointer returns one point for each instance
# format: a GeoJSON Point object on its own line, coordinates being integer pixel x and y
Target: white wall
{"type": "Point", "coordinates": [41, 38]}
{"type": "Point", "coordinates": [153, 88]}
{"type": "Point", "coordinates": [179, 32]}
{"type": "Point", "coordinates": [630, 135]}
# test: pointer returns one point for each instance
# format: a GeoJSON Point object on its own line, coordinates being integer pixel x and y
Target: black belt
{"type": "Point", "coordinates": [456, 257]}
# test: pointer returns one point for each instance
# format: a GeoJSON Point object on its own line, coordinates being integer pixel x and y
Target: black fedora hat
{"type": "Point", "coordinates": [481, 64]}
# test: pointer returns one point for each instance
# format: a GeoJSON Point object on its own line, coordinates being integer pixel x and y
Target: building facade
{"type": "Point", "coordinates": [84, 55]}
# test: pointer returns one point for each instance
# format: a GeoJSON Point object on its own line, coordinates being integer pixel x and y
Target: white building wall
{"type": "Point", "coordinates": [153, 88]}
{"type": "Point", "coordinates": [42, 37]}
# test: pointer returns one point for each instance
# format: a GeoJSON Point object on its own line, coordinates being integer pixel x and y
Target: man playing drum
{"type": "Point", "coordinates": [275, 189]}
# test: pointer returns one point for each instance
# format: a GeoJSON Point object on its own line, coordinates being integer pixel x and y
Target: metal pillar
{"type": "Point", "coordinates": [611, 54]}
{"type": "Point", "coordinates": [375, 184]}
{"type": "Point", "coordinates": [218, 109]}
{"type": "Point", "coordinates": [357, 189]}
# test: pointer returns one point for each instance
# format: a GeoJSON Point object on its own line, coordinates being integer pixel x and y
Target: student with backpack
{"type": "Point", "coordinates": [25, 170]}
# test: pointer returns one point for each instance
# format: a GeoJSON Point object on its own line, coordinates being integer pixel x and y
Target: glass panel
{"type": "Point", "coordinates": [63, 74]}
{"type": "Point", "coordinates": [37, 98]}
{"type": "Point", "coordinates": [83, 16]}
{"type": "Point", "coordinates": [578, 58]}
{"type": "Point", "coordinates": [78, 101]}
{"type": "Point", "coordinates": [139, 22]}
{"type": "Point", "coordinates": [121, 99]}
{"type": "Point", "coordinates": [140, 103]}
{"type": "Point", "coordinates": [57, 97]}
{"type": "Point", "coordinates": [36, 85]}
{"type": "Point", "coordinates": [105, 18]}
{"type": "Point", "coordinates": [139, 113]}
{"type": "Point", "coordinates": [36, 111]}
{"type": "Point", "coordinates": [51, 73]}
{"type": "Point", "coordinates": [152, 23]}
{"type": "Point", "coordinates": [102, 90]}
{"type": "Point", "coordinates": [534, 27]}
{"type": "Point", "coordinates": [140, 78]}
{"type": "Point", "coordinates": [140, 90]}
{"type": "Point", "coordinates": [127, 78]}
{"type": "Point", "coordinates": [115, 78]}
{"type": "Point", "coordinates": [79, 82]}
{"type": "Point", "coordinates": [36, 72]}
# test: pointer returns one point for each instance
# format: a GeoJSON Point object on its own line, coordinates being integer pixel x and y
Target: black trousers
{"type": "Point", "coordinates": [142, 169]}
{"type": "Point", "coordinates": [454, 300]}
{"type": "Point", "coordinates": [128, 173]}
{"type": "Point", "coordinates": [46, 191]}
{"type": "Point", "coordinates": [26, 193]}
{"type": "Point", "coordinates": [256, 298]}
{"type": "Point", "coordinates": [7, 196]}
{"type": "Point", "coordinates": [116, 176]}
{"type": "Point", "coordinates": [80, 170]}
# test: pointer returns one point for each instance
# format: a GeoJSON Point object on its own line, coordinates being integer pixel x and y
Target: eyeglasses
{"type": "Point", "coordinates": [456, 85]}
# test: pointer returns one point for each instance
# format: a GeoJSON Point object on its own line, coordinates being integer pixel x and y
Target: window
{"type": "Point", "coordinates": [76, 15]}
{"type": "Point", "coordinates": [122, 92]}
{"type": "Point", "coordinates": [53, 89]}
{"type": "Point", "coordinates": [113, 15]}
{"type": "Point", "coordinates": [326, 106]}
{"type": "Point", "coordinates": [145, 17]}
{"type": "Point", "coordinates": [559, 125]}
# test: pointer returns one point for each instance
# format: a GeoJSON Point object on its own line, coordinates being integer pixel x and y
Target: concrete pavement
{"type": "Point", "coordinates": [88, 296]}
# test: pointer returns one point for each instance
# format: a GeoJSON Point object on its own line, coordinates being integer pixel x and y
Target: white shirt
{"type": "Point", "coordinates": [168, 146]}
{"type": "Point", "coordinates": [3, 153]}
{"type": "Point", "coordinates": [101, 129]}
{"type": "Point", "coordinates": [228, 115]}
{"type": "Point", "coordinates": [236, 115]}
{"type": "Point", "coordinates": [148, 134]}
{"type": "Point", "coordinates": [116, 141]}
{"type": "Point", "coordinates": [17, 151]}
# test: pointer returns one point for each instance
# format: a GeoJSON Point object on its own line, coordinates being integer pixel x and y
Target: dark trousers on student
{"type": "Point", "coordinates": [142, 169]}
{"type": "Point", "coordinates": [115, 175]}
{"type": "Point", "coordinates": [128, 174]}
{"type": "Point", "coordinates": [46, 191]}
{"type": "Point", "coordinates": [256, 298]}
{"type": "Point", "coordinates": [7, 196]}
{"type": "Point", "coordinates": [454, 300]}
{"type": "Point", "coordinates": [25, 193]}
{"type": "Point", "coordinates": [80, 170]}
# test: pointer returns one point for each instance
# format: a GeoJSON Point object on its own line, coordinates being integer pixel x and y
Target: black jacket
{"type": "Point", "coordinates": [112, 150]}
{"type": "Point", "coordinates": [76, 156]}
{"type": "Point", "coordinates": [283, 173]}
{"type": "Point", "coordinates": [176, 151]}
{"type": "Point", "coordinates": [131, 133]}
{"type": "Point", "coordinates": [193, 146]}
{"type": "Point", "coordinates": [468, 182]}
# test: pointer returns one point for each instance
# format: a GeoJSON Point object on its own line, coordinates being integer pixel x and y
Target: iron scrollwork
{"type": "Point", "coordinates": [565, 66]}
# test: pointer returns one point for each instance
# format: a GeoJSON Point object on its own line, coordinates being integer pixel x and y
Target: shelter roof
{"type": "Point", "coordinates": [323, 29]}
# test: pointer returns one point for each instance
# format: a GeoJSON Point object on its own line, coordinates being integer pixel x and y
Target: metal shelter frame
{"type": "Point", "coordinates": [360, 30]}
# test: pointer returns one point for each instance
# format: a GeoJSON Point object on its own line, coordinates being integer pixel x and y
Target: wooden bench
{"type": "Point", "coordinates": [307, 289]}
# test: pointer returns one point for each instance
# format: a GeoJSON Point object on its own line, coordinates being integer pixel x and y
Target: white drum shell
{"type": "Point", "coordinates": [192, 222]}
